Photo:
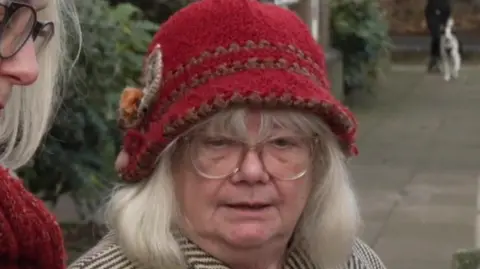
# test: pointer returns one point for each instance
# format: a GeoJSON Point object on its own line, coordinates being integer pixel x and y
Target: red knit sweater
{"type": "Point", "coordinates": [30, 237]}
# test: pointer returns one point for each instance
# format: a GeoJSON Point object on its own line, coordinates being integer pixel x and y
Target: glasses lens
{"type": "Point", "coordinates": [3, 12]}
{"type": "Point", "coordinates": [287, 158]}
{"type": "Point", "coordinates": [16, 31]}
{"type": "Point", "coordinates": [43, 36]}
{"type": "Point", "coordinates": [215, 157]}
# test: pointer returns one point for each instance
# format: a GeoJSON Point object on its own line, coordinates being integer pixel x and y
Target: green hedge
{"type": "Point", "coordinates": [79, 152]}
{"type": "Point", "coordinates": [360, 31]}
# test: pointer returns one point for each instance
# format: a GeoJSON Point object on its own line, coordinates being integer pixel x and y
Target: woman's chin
{"type": "Point", "coordinates": [248, 235]}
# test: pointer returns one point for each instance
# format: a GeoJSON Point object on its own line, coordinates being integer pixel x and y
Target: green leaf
{"type": "Point", "coordinates": [360, 32]}
{"type": "Point", "coordinates": [124, 12]}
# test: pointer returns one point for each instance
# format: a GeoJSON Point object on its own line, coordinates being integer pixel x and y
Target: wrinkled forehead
{"type": "Point", "coordinates": [37, 4]}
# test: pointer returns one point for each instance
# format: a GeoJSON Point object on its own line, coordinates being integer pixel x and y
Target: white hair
{"type": "Point", "coordinates": [28, 113]}
{"type": "Point", "coordinates": [142, 214]}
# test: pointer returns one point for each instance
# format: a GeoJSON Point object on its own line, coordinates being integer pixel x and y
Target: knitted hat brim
{"type": "Point", "coordinates": [252, 86]}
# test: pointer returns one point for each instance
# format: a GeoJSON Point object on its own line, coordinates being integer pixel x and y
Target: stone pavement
{"type": "Point", "coordinates": [418, 166]}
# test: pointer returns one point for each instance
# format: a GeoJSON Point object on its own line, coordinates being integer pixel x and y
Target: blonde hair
{"type": "Point", "coordinates": [28, 114]}
{"type": "Point", "coordinates": [142, 214]}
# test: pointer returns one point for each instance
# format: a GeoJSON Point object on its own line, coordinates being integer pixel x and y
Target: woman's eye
{"type": "Point", "coordinates": [283, 142]}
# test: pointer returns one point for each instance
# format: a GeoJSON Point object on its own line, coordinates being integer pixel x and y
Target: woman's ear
{"type": "Point", "coordinates": [122, 161]}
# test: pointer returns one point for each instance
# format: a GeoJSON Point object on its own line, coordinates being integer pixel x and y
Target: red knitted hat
{"type": "Point", "coordinates": [217, 53]}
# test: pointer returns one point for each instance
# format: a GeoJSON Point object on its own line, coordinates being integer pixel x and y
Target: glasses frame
{"type": "Point", "coordinates": [245, 151]}
{"type": "Point", "coordinates": [10, 9]}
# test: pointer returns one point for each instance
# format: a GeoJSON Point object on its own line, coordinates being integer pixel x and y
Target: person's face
{"type": "Point", "coordinates": [18, 61]}
{"type": "Point", "coordinates": [260, 201]}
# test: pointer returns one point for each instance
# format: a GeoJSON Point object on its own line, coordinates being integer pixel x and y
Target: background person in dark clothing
{"type": "Point", "coordinates": [437, 13]}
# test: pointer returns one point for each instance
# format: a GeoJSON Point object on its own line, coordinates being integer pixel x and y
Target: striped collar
{"type": "Point", "coordinates": [196, 258]}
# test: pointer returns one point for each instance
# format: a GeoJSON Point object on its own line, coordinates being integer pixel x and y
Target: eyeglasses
{"type": "Point", "coordinates": [284, 158]}
{"type": "Point", "coordinates": [18, 22]}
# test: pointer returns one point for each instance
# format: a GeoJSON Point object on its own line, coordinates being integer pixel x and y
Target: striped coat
{"type": "Point", "coordinates": [107, 254]}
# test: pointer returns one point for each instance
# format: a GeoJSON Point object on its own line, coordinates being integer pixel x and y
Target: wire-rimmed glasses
{"type": "Point", "coordinates": [283, 157]}
{"type": "Point", "coordinates": [18, 22]}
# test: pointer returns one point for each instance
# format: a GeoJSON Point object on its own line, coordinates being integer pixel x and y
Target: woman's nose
{"type": "Point", "coordinates": [251, 170]}
{"type": "Point", "coordinates": [22, 68]}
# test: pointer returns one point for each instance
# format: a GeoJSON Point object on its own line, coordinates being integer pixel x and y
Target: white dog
{"type": "Point", "coordinates": [450, 52]}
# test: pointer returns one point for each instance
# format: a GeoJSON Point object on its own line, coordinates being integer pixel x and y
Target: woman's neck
{"type": "Point", "coordinates": [270, 255]}
{"type": "Point", "coordinates": [261, 258]}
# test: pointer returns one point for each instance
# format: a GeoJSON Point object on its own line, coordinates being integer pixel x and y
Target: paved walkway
{"type": "Point", "coordinates": [416, 172]}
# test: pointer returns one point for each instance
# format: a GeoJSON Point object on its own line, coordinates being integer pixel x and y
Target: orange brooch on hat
{"type": "Point", "coordinates": [129, 103]}
{"type": "Point", "coordinates": [135, 102]}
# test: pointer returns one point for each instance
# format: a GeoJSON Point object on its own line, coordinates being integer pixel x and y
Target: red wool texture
{"type": "Point", "coordinates": [30, 237]}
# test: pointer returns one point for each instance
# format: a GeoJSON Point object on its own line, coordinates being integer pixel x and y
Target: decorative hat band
{"type": "Point", "coordinates": [136, 102]}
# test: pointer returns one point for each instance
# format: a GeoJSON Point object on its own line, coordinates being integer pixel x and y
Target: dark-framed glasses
{"type": "Point", "coordinates": [284, 158]}
{"type": "Point", "coordinates": [18, 22]}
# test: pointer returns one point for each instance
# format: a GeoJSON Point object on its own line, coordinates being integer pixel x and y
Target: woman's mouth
{"type": "Point", "coordinates": [248, 207]}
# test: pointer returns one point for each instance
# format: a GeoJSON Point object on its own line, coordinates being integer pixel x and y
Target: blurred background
{"type": "Point", "coordinates": [419, 201]}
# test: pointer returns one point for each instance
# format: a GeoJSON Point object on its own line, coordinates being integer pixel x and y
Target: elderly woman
{"type": "Point", "coordinates": [32, 59]}
{"type": "Point", "coordinates": [234, 151]}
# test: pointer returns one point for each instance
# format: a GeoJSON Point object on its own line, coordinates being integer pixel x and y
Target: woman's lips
{"type": "Point", "coordinates": [245, 212]}
{"type": "Point", "coordinates": [248, 206]}
{"type": "Point", "coordinates": [247, 209]}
